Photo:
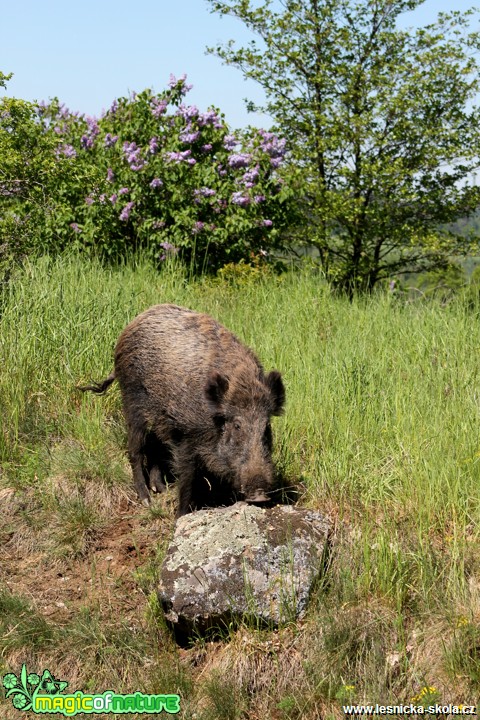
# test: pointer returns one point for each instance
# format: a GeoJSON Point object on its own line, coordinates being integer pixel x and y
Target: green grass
{"type": "Point", "coordinates": [380, 432]}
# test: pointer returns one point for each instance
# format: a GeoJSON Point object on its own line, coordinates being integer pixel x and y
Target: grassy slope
{"type": "Point", "coordinates": [380, 432]}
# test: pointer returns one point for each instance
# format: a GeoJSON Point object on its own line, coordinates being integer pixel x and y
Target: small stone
{"type": "Point", "coordinates": [393, 659]}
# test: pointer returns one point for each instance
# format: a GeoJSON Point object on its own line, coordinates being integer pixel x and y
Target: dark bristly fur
{"type": "Point", "coordinates": [197, 405]}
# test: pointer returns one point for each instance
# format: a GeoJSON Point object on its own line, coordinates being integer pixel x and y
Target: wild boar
{"type": "Point", "coordinates": [197, 405]}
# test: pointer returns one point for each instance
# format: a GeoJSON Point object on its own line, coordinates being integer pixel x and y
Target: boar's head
{"type": "Point", "coordinates": [241, 407]}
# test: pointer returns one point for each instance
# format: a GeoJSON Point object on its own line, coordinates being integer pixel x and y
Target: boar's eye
{"type": "Point", "coordinates": [236, 425]}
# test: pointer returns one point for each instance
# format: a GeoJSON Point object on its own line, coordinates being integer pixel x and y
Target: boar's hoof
{"type": "Point", "coordinates": [156, 482]}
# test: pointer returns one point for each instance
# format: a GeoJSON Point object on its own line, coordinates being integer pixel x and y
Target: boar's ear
{"type": "Point", "coordinates": [275, 384]}
{"type": "Point", "coordinates": [216, 387]}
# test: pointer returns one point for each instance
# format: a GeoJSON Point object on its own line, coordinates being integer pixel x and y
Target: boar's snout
{"type": "Point", "coordinates": [255, 487]}
{"type": "Point", "coordinates": [258, 496]}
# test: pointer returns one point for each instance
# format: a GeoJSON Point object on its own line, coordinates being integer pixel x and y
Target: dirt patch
{"type": "Point", "coordinates": [105, 577]}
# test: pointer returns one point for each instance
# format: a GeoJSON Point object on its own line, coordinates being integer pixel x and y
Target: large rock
{"type": "Point", "coordinates": [227, 563]}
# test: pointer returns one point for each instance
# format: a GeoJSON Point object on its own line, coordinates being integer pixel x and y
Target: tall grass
{"type": "Point", "coordinates": [380, 432]}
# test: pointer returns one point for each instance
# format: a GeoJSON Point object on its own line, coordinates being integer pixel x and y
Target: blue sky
{"type": "Point", "coordinates": [90, 53]}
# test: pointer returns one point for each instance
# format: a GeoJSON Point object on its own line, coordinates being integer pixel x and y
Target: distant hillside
{"type": "Point", "coordinates": [466, 226]}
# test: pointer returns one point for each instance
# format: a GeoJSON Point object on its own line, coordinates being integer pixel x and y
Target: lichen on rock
{"type": "Point", "coordinates": [225, 564]}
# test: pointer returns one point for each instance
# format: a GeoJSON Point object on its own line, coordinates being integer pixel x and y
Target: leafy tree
{"type": "Point", "coordinates": [443, 282]}
{"type": "Point", "coordinates": [29, 177]}
{"type": "Point", "coordinates": [153, 173]}
{"type": "Point", "coordinates": [4, 79]}
{"type": "Point", "coordinates": [382, 130]}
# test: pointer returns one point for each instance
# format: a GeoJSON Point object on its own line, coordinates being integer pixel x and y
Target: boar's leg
{"type": "Point", "coordinates": [136, 461]}
{"type": "Point", "coordinates": [185, 491]}
{"type": "Point", "coordinates": [157, 459]}
{"type": "Point", "coordinates": [184, 468]}
{"type": "Point", "coordinates": [136, 450]}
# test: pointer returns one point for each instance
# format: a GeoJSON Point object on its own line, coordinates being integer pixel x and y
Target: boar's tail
{"type": "Point", "coordinates": [100, 387]}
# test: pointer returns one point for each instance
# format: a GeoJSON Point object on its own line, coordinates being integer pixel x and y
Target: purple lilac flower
{"type": "Point", "coordinates": [92, 125]}
{"type": "Point", "coordinates": [86, 142]}
{"type": "Point", "coordinates": [272, 145]}
{"type": "Point", "coordinates": [178, 156]}
{"type": "Point", "coordinates": [221, 170]}
{"type": "Point", "coordinates": [207, 147]}
{"type": "Point", "coordinates": [239, 199]}
{"type": "Point", "coordinates": [89, 200]}
{"type": "Point", "coordinates": [198, 227]}
{"type": "Point", "coordinates": [102, 198]}
{"type": "Point", "coordinates": [191, 137]}
{"type": "Point", "coordinates": [189, 112]}
{"type": "Point", "coordinates": [124, 191]}
{"type": "Point", "coordinates": [57, 130]}
{"type": "Point", "coordinates": [266, 134]}
{"type": "Point", "coordinates": [173, 82]}
{"type": "Point", "coordinates": [75, 227]}
{"type": "Point", "coordinates": [125, 214]}
{"type": "Point", "coordinates": [159, 107]}
{"type": "Point", "coordinates": [259, 198]}
{"type": "Point", "coordinates": [114, 107]}
{"type": "Point", "coordinates": [129, 147]}
{"type": "Point", "coordinates": [229, 142]}
{"type": "Point", "coordinates": [133, 154]}
{"type": "Point", "coordinates": [113, 198]}
{"type": "Point", "coordinates": [267, 223]}
{"type": "Point", "coordinates": [110, 140]}
{"type": "Point", "coordinates": [158, 224]}
{"type": "Point", "coordinates": [153, 145]}
{"type": "Point", "coordinates": [239, 160]}
{"type": "Point", "coordinates": [168, 247]}
{"type": "Point", "coordinates": [67, 150]}
{"type": "Point", "coordinates": [8, 192]}
{"type": "Point", "coordinates": [136, 164]}
{"type": "Point", "coordinates": [156, 183]}
{"type": "Point", "coordinates": [210, 118]}
{"type": "Point", "coordinates": [251, 176]}
{"type": "Point", "coordinates": [110, 175]}
{"type": "Point", "coordinates": [276, 161]}
{"type": "Point", "coordinates": [204, 192]}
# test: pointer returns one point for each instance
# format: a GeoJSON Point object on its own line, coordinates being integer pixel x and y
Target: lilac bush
{"type": "Point", "coordinates": [157, 174]}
